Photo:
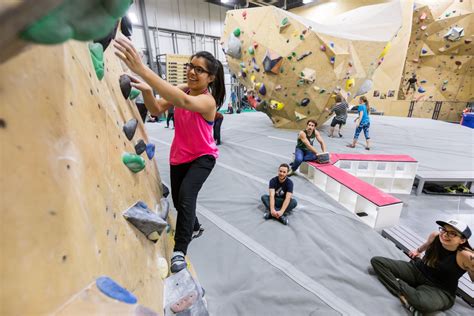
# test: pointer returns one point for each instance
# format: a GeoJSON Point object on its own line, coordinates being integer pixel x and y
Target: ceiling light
{"type": "Point", "coordinates": [133, 17]}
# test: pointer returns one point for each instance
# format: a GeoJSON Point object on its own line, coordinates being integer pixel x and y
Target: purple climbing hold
{"type": "Point", "coordinates": [421, 90]}
{"type": "Point", "coordinates": [323, 48]}
{"type": "Point", "coordinates": [129, 128]}
{"type": "Point", "coordinates": [262, 90]}
{"type": "Point", "coordinates": [110, 288]}
{"type": "Point", "coordinates": [304, 102]}
{"type": "Point", "coordinates": [150, 150]}
{"type": "Point", "coordinates": [331, 44]}
{"type": "Point", "coordinates": [333, 60]}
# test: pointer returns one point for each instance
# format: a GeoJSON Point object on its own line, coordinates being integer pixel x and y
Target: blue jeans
{"type": "Point", "coordinates": [361, 127]}
{"type": "Point", "coordinates": [300, 156]}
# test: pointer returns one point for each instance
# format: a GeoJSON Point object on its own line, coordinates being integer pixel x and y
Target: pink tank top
{"type": "Point", "coordinates": [193, 137]}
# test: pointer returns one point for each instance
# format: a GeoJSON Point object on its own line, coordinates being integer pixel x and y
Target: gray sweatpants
{"type": "Point", "coordinates": [419, 291]}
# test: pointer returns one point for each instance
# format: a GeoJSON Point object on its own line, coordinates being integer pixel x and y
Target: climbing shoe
{"type": "Point", "coordinates": [283, 219]}
{"type": "Point", "coordinates": [178, 262]}
{"type": "Point", "coordinates": [197, 233]}
{"type": "Point", "coordinates": [267, 215]}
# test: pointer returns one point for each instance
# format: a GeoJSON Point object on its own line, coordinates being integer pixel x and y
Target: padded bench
{"type": "Point", "coordinates": [374, 207]}
{"type": "Point", "coordinates": [407, 240]}
{"type": "Point", "coordinates": [442, 176]}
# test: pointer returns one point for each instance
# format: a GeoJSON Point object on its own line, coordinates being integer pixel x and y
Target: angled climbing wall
{"type": "Point", "coordinates": [64, 185]}
{"type": "Point", "coordinates": [295, 66]}
{"type": "Point", "coordinates": [440, 53]}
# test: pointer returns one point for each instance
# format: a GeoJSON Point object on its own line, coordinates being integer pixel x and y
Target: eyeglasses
{"type": "Point", "coordinates": [197, 69]}
{"type": "Point", "coordinates": [450, 233]}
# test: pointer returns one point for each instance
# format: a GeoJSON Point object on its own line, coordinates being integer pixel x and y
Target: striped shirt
{"type": "Point", "coordinates": [341, 111]}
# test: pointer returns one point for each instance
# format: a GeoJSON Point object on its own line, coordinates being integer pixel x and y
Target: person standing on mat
{"type": "Point", "coordinates": [279, 200]}
{"type": "Point", "coordinates": [193, 151]}
{"type": "Point", "coordinates": [412, 82]}
{"type": "Point", "coordinates": [170, 117]}
{"type": "Point", "coordinates": [363, 123]}
{"type": "Point", "coordinates": [429, 284]}
{"type": "Point", "coordinates": [340, 108]}
{"type": "Point", "coordinates": [305, 150]}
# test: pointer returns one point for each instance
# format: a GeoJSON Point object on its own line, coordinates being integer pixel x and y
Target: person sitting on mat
{"type": "Point", "coordinates": [429, 284]}
{"type": "Point", "coordinates": [280, 198]}
{"type": "Point", "coordinates": [304, 150]}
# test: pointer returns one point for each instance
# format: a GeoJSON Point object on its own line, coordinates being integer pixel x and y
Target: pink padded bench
{"type": "Point", "coordinates": [355, 188]}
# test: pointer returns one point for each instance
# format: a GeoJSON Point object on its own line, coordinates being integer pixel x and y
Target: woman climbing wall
{"type": "Point", "coordinates": [193, 151]}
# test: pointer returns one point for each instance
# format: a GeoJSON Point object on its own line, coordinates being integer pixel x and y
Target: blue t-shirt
{"type": "Point", "coordinates": [365, 116]}
{"type": "Point", "coordinates": [281, 188]}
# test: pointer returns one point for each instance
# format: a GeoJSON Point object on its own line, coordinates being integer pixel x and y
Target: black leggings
{"type": "Point", "coordinates": [169, 118]}
{"type": "Point", "coordinates": [217, 130]}
{"type": "Point", "coordinates": [186, 181]}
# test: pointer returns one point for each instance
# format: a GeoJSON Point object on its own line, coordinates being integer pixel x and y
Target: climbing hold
{"type": "Point", "coordinates": [150, 150]}
{"type": "Point", "coordinates": [165, 209]}
{"type": "Point", "coordinates": [300, 82]}
{"type": "Point", "coordinates": [350, 83]}
{"type": "Point", "coordinates": [162, 267]}
{"type": "Point", "coordinates": [321, 91]}
{"type": "Point", "coordinates": [242, 65]}
{"type": "Point", "coordinates": [454, 34]}
{"type": "Point", "coordinates": [252, 78]}
{"type": "Point", "coordinates": [364, 88]}
{"type": "Point", "coordinates": [304, 102]}
{"type": "Point", "coordinates": [125, 85]}
{"type": "Point", "coordinates": [145, 220]}
{"type": "Point", "coordinates": [251, 50]}
{"type": "Point", "coordinates": [322, 48]}
{"type": "Point", "coordinates": [236, 32]}
{"type": "Point", "coordinates": [316, 88]}
{"type": "Point", "coordinates": [301, 37]}
{"type": "Point", "coordinates": [284, 24]}
{"type": "Point", "coordinates": [289, 57]}
{"type": "Point", "coordinates": [134, 162]}
{"type": "Point", "coordinates": [423, 81]}
{"type": "Point", "coordinates": [97, 55]}
{"type": "Point", "coordinates": [423, 27]}
{"type": "Point", "coordinates": [272, 62]}
{"type": "Point", "coordinates": [293, 54]}
{"type": "Point", "coordinates": [129, 128]}
{"type": "Point", "coordinates": [332, 60]}
{"type": "Point", "coordinates": [243, 74]}
{"type": "Point", "coordinates": [385, 50]}
{"type": "Point", "coordinates": [421, 90]}
{"type": "Point", "coordinates": [331, 44]}
{"type": "Point", "coordinates": [458, 63]}
{"type": "Point", "coordinates": [184, 303]}
{"type": "Point", "coordinates": [110, 288]}
{"type": "Point", "coordinates": [423, 51]}
{"type": "Point", "coordinates": [256, 67]}
{"type": "Point", "coordinates": [244, 14]}
{"type": "Point", "coordinates": [278, 88]}
{"type": "Point", "coordinates": [305, 54]}
{"type": "Point", "coordinates": [262, 90]}
{"type": "Point", "coordinates": [423, 16]}
{"type": "Point", "coordinates": [275, 105]}
{"type": "Point", "coordinates": [255, 45]}
{"type": "Point", "coordinates": [134, 94]}
{"type": "Point", "coordinates": [140, 147]}
{"type": "Point", "coordinates": [308, 75]}
{"type": "Point", "coordinates": [234, 48]}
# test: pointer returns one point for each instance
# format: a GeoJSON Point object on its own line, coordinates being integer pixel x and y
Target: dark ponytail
{"type": "Point", "coordinates": [217, 87]}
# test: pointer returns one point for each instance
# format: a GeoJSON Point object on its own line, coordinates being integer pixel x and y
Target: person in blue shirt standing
{"type": "Point", "coordinates": [363, 123]}
{"type": "Point", "coordinates": [280, 199]}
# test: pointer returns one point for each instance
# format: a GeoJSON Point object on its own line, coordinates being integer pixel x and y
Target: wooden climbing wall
{"type": "Point", "coordinates": [315, 66]}
{"type": "Point", "coordinates": [64, 186]}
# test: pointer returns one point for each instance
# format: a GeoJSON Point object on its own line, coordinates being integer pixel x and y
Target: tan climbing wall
{"type": "Point", "coordinates": [63, 185]}
{"type": "Point", "coordinates": [338, 64]}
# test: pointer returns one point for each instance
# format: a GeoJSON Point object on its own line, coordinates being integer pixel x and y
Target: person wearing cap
{"type": "Point", "coordinates": [429, 283]}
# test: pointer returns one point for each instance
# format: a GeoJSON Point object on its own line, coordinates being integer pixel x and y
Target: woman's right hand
{"type": "Point", "coordinates": [140, 85]}
{"type": "Point", "coordinates": [414, 254]}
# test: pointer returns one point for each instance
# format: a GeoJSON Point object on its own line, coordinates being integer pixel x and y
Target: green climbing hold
{"type": "Point", "coordinates": [81, 20]}
{"type": "Point", "coordinates": [251, 50]}
{"type": "Point", "coordinates": [321, 91]}
{"type": "Point", "coordinates": [134, 93]}
{"type": "Point", "coordinates": [282, 70]}
{"type": "Point", "coordinates": [301, 37]}
{"type": "Point", "coordinates": [284, 21]}
{"type": "Point", "coordinates": [237, 32]}
{"type": "Point", "coordinates": [97, 55]}
{"type": "Point", "coordinates": [134, 162]}
{"type": "Point", "coordinates": [293, 54]}
{"type": "Point", "coordinates": [289, 57]}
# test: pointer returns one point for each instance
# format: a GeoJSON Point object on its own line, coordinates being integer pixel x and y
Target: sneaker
{"type": "Point", "coordinates": [410, 308]}
{"type": "Point", "coordinates": [283, 219]}
{"type": "Point", "coordinates": [178, 262]}
{"type": "Point", "coordinates": [340, 135]}
{"type": "Point", "coordinates": [198, 233]}
{"type": "Point", "coordinates": [267, 215]}
{"type": "Point", "coordinates": [371, 271]}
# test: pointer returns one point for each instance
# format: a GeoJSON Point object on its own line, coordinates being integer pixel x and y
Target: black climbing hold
{"type": "Point", "coordinates": [145, 220]}
{"type": "Point", "coordinates": [129, 128]}
{"type": "Point", "coordinates": [165, 208]}
{"type": "Point", "coordinates": [125, 86]}
{"type": "Point", "coordinates": [140, 147]}
{"type": "Point", "coordinates": [3, 124]}
{"type": "Point", "coordinates": [304, 102]}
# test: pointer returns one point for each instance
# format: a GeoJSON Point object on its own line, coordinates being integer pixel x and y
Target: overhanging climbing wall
{"type": "Point", "coordinates": [296, 66]}
{"type": "Point", "coordinates": [64, 186]}
{"type": "Point", "coordinates": [440, 53]}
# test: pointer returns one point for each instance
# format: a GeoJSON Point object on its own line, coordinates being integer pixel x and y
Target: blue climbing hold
{"type": "Point", "coordinates": [142, 204]}
{"type": "Point", "coordinates": [150, 150]}
{"type": "Point", "coordinates": [262, 90]}
{"type": "Point", "coordinates": [110, 288]}
{"type": "Point", "coordinates": [421, 90]}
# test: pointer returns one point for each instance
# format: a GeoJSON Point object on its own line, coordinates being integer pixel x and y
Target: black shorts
{"type": "Point", "coordinates": [337, 122]}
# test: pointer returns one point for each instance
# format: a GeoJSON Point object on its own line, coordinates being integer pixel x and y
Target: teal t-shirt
{"type": "Point", "coordinates": [365, 116]}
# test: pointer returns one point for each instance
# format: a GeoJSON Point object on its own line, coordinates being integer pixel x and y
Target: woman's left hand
{"type": "Point", "coordinates": [129, 55]}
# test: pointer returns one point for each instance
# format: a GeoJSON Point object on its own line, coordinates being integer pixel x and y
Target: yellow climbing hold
{"type": "Point", "coordinates": [275, 105]}
{"type": "Point", "coordinates": [385, 50]}
{"type": "Point", "coordinates": [252, 78]}
{"type": "Point", "coordinates": [350, 83]}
